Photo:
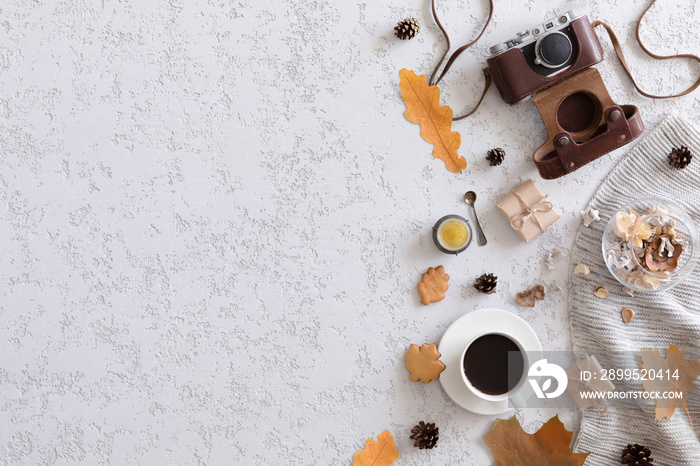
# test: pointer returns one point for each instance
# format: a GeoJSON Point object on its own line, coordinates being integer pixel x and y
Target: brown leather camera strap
{"type": "Point", "coordinates": [621, 56]}
{"type": "Point", "coordinates": [613, 38]}
{"type": "Point", "coordinates": [457, 53]}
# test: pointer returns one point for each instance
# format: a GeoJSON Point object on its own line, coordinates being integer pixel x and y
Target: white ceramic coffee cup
{"type": "Point", "coordinates": [516, 394]}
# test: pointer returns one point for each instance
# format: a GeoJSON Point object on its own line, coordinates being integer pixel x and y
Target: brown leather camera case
{"type": "Point", "coordinates": [582, 123]}
{"type": "Point", "coordinates": [514, 78]}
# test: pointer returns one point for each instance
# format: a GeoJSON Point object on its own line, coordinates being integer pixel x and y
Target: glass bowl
{"type": "Point", "coordinates": [650, 245]}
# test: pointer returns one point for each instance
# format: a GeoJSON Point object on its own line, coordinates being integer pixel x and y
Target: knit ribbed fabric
{"type": "Point", "coordinates": [670, 317]}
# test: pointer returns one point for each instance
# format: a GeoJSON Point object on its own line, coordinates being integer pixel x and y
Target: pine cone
{"type": "Point", "coordinates": [425, 435]}
{"type": "Point", "coordinates": [486, 283]}
{"type": "Point", "coordinates": [636, 455]}
{"type": "Point", "coordinates": [407, 29]}
{"type": "Point", "coordinates": [495, 156]}
{"type": "Point", "coordinates": [680, 158]}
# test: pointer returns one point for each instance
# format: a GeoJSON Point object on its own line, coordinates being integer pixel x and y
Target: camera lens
{"type": "Point", "coordinates": [555, 49]}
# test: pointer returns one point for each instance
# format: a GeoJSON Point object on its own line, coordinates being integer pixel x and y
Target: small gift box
{"type": "Point", "coordinates": [584, 376]}
{"type": "Point", "coordinates": [528, 211]}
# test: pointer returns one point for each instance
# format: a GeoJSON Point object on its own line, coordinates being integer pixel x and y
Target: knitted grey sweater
{"type": "Point", "coordinates": [671, 317]}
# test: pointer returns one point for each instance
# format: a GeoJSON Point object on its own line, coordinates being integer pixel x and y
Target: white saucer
{"type": "Point", "coordinates": [458, 335]}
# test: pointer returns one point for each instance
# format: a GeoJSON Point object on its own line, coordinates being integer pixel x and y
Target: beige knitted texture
{"type": "Point", "coordinates": [671, 317]}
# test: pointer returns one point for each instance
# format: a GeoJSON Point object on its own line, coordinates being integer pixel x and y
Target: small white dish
{"type": "Point", "coordinates": [461, 332]}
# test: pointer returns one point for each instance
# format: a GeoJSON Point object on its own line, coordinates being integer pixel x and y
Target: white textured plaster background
{"type": "Point", "coordinates": [215, 214]}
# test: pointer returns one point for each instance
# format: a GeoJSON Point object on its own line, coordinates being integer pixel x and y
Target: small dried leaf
{"type": "Point", "coordinates": [423, 107]}
{"type": "Point", "coordinates": [526, 298]}
{"type": "Point", "coordinates": [601, 292]}
{"type": "Point", "coordinates": [555, 286]}
{"type": "Point", "coordinates": [538, 292]}
{"type": "Point", "coordinates": [511, 445]}
{"type": "Point", "coordinates": [673, 364]}
{"type": "Point", "coordinates": [582, 269]}
{"type": "Point", "coordinates": [627, 315]}
{"type": "Point", "coordinates": [383, 452]}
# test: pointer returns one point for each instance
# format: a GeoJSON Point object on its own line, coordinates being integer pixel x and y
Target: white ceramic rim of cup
{"type": "Point", "coordinates": [518, 386]}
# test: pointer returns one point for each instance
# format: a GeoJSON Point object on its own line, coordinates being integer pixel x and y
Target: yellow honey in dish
{"type": "Point", "coordinates": [454, 234]}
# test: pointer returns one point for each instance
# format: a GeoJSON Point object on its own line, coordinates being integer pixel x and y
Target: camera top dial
{"type": "Point", "coordinates": [536, 34]}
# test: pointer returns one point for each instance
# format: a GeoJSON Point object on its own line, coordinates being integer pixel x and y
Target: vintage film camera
{"type": "Point", "coordinates": [553, 60]}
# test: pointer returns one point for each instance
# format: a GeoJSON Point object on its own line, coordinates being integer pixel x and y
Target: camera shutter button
{"type": "Point", "coordinates": [555, 49]}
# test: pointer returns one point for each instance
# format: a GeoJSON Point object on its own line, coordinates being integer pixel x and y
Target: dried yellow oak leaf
{"type": "Point", "coordinates": [424, 363]}
{"type": "Point", "coordinates": [423, 108]}
{"type": "Point", "coordinates": [433, 285]}
{"type": "Point", "coordinates": [671, 374]}
{"type": "Point", "coordinates": [511, 445]}
{"type": "Point", "coordinates": [383, 452]}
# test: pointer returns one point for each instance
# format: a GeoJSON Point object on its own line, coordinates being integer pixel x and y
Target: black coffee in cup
{"type": "Point", "coordinates": [488, 366]}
